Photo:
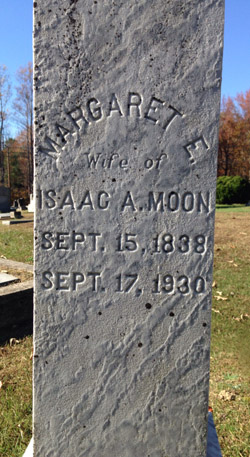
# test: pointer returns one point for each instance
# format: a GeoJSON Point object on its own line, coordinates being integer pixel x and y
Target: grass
{"type": "Point", "coordinates": [15, 397]}
{"type": "Point", "coordinates": [16, 241]}
{"type": "Point", "coordinates": [230, 354]}
{"type": "Point", "coordinates": [233, 208]}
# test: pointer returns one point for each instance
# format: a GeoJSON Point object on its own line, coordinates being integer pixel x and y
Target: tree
{"type": "Point", "coordinates": [15, 167]}
{"type": "Point", "coordinates": [234, 136]}
{"type": "Point", "coordinates": [4, 99]}
{"type": "Point", "coordinates": [23, 106]}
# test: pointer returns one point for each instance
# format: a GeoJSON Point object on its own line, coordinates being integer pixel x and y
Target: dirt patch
{"type": "Point", "coordinates": [232, 229]}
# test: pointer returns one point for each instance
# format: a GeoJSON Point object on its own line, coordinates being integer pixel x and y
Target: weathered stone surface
{"type": "Point", "coordinates": [127, 108]}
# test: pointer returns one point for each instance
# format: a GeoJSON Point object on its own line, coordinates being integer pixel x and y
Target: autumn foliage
{"type": "Point", "coordinates": [16, 167]}
{"type": "Point", "coordinates": [234, 136]}
{"type": "Point", "coordinates": [16, 154]}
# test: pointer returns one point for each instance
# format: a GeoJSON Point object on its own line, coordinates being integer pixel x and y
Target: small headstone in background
{"type": "Point", "coordinates": [4, 199]}
{"type": "Point", "coordinates": [31, 205]}
{"type": "Point", "coordinates": [18, 214]}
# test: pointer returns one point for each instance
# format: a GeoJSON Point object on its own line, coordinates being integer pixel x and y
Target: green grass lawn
{"type": "Point", "coordinates": [233, 208]}
{"type": "Point", "coordinates": [230, 346]}
{"type": "Point", "coordinates": [15, 397]}
{"type": "Point", "coordinates": [16, 241]}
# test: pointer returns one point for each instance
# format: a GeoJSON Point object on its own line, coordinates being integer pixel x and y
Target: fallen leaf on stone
{"type": "Point", "coordinates": [227, 396]}
{"type": "Point", "coordinates": [216, 311]}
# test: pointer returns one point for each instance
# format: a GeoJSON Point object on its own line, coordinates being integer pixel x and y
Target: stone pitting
{"type": "Point", "coordinates": [126, 110]}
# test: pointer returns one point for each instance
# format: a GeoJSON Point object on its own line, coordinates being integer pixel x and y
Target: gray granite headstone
{"type": "Point", "coordinates": [126, 112]}
{"type": "Point", "coordinates": [4, 199]}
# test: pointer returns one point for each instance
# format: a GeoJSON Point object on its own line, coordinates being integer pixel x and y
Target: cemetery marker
{"type": "Point", "coordinates": [127, 98]}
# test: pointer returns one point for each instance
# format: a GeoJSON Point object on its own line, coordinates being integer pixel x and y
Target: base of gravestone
{"type": "Point", "coordinates": [29, 450]}
{"type": "Point", "coordinates": [213, 447]}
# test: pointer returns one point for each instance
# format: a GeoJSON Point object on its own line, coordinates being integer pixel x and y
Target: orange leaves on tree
{"type": "Point", "coordinates": [234, 136]}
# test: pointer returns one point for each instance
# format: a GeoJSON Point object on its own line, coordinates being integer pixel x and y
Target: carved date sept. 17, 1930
{"type": "Point", "coordinates": [127, 282]}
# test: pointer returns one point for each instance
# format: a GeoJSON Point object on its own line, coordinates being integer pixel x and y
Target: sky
{"type": "Point", "coordinates": [16, 42]}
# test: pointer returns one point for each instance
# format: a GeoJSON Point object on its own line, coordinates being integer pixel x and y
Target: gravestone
{"type": "Point", "coordinates": [31, 205]}
{"type": "Point", "coordinates": [127, 98]}
{"type": "Point", "coordinates": [4, 199]}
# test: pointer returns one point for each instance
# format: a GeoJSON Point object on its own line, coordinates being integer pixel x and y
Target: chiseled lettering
{"type": "Point", "coordinates": [103, 200]}
{"type": "Point", "coordinates": [134, 101]}
{"type": "Point", "coordinates": [123, 163]}
{"type": "Point", "coordinates": [77, 237]}
{"type": "Point", "coordinates": [46, 276]}
{"type": "Point", "coordinates": [76, 116]}
{"type": "Point", "coordinates": [173, 201]}
{"type": "Point", "coordinates": [153, 107]}
{"type": "Point", "coordinates": [50, 148]}
{"type": "Point", "coordinates": [114, 106]}
{"type": "Point", "coordinates": [188, 202]}
{"type": "Point", "coordinates": [128, 202]}
{"type": "Point", "coordinates": [153, 203]}
{"type": "Point", "coordinates": [94, 237]}
{"type": "Point", "coordinates": [92, 160]}
{"type": "Point", "coordinates": [86, 201]}
{"type": "Point", "coordinates": [203, 202]}
{"type": "Point", "coordinates": [95, 277]}
{"type": "Point", "coordinates": [94, 112]}
{"type": "Point", "coordinates": [196, 145]}
{"type": "Point", "coordinates": [61, 240]}
{"type": "Point", "coordinates": [62, 132]}
{"type": "Point", "coordinates": [49, 194]}
{"type": "Point", "coordinates": [77, 278]}
{"type": "Point", "coordinates": [107, 163]}
{"type": "Point", "coordinates": [175, 114]}
{"type": "Point", "coordinates": [67, 200]}
{"type": "Point", "coordinates": [46, 242]}
{"type": "Point", "coordinates": [60, 280]}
